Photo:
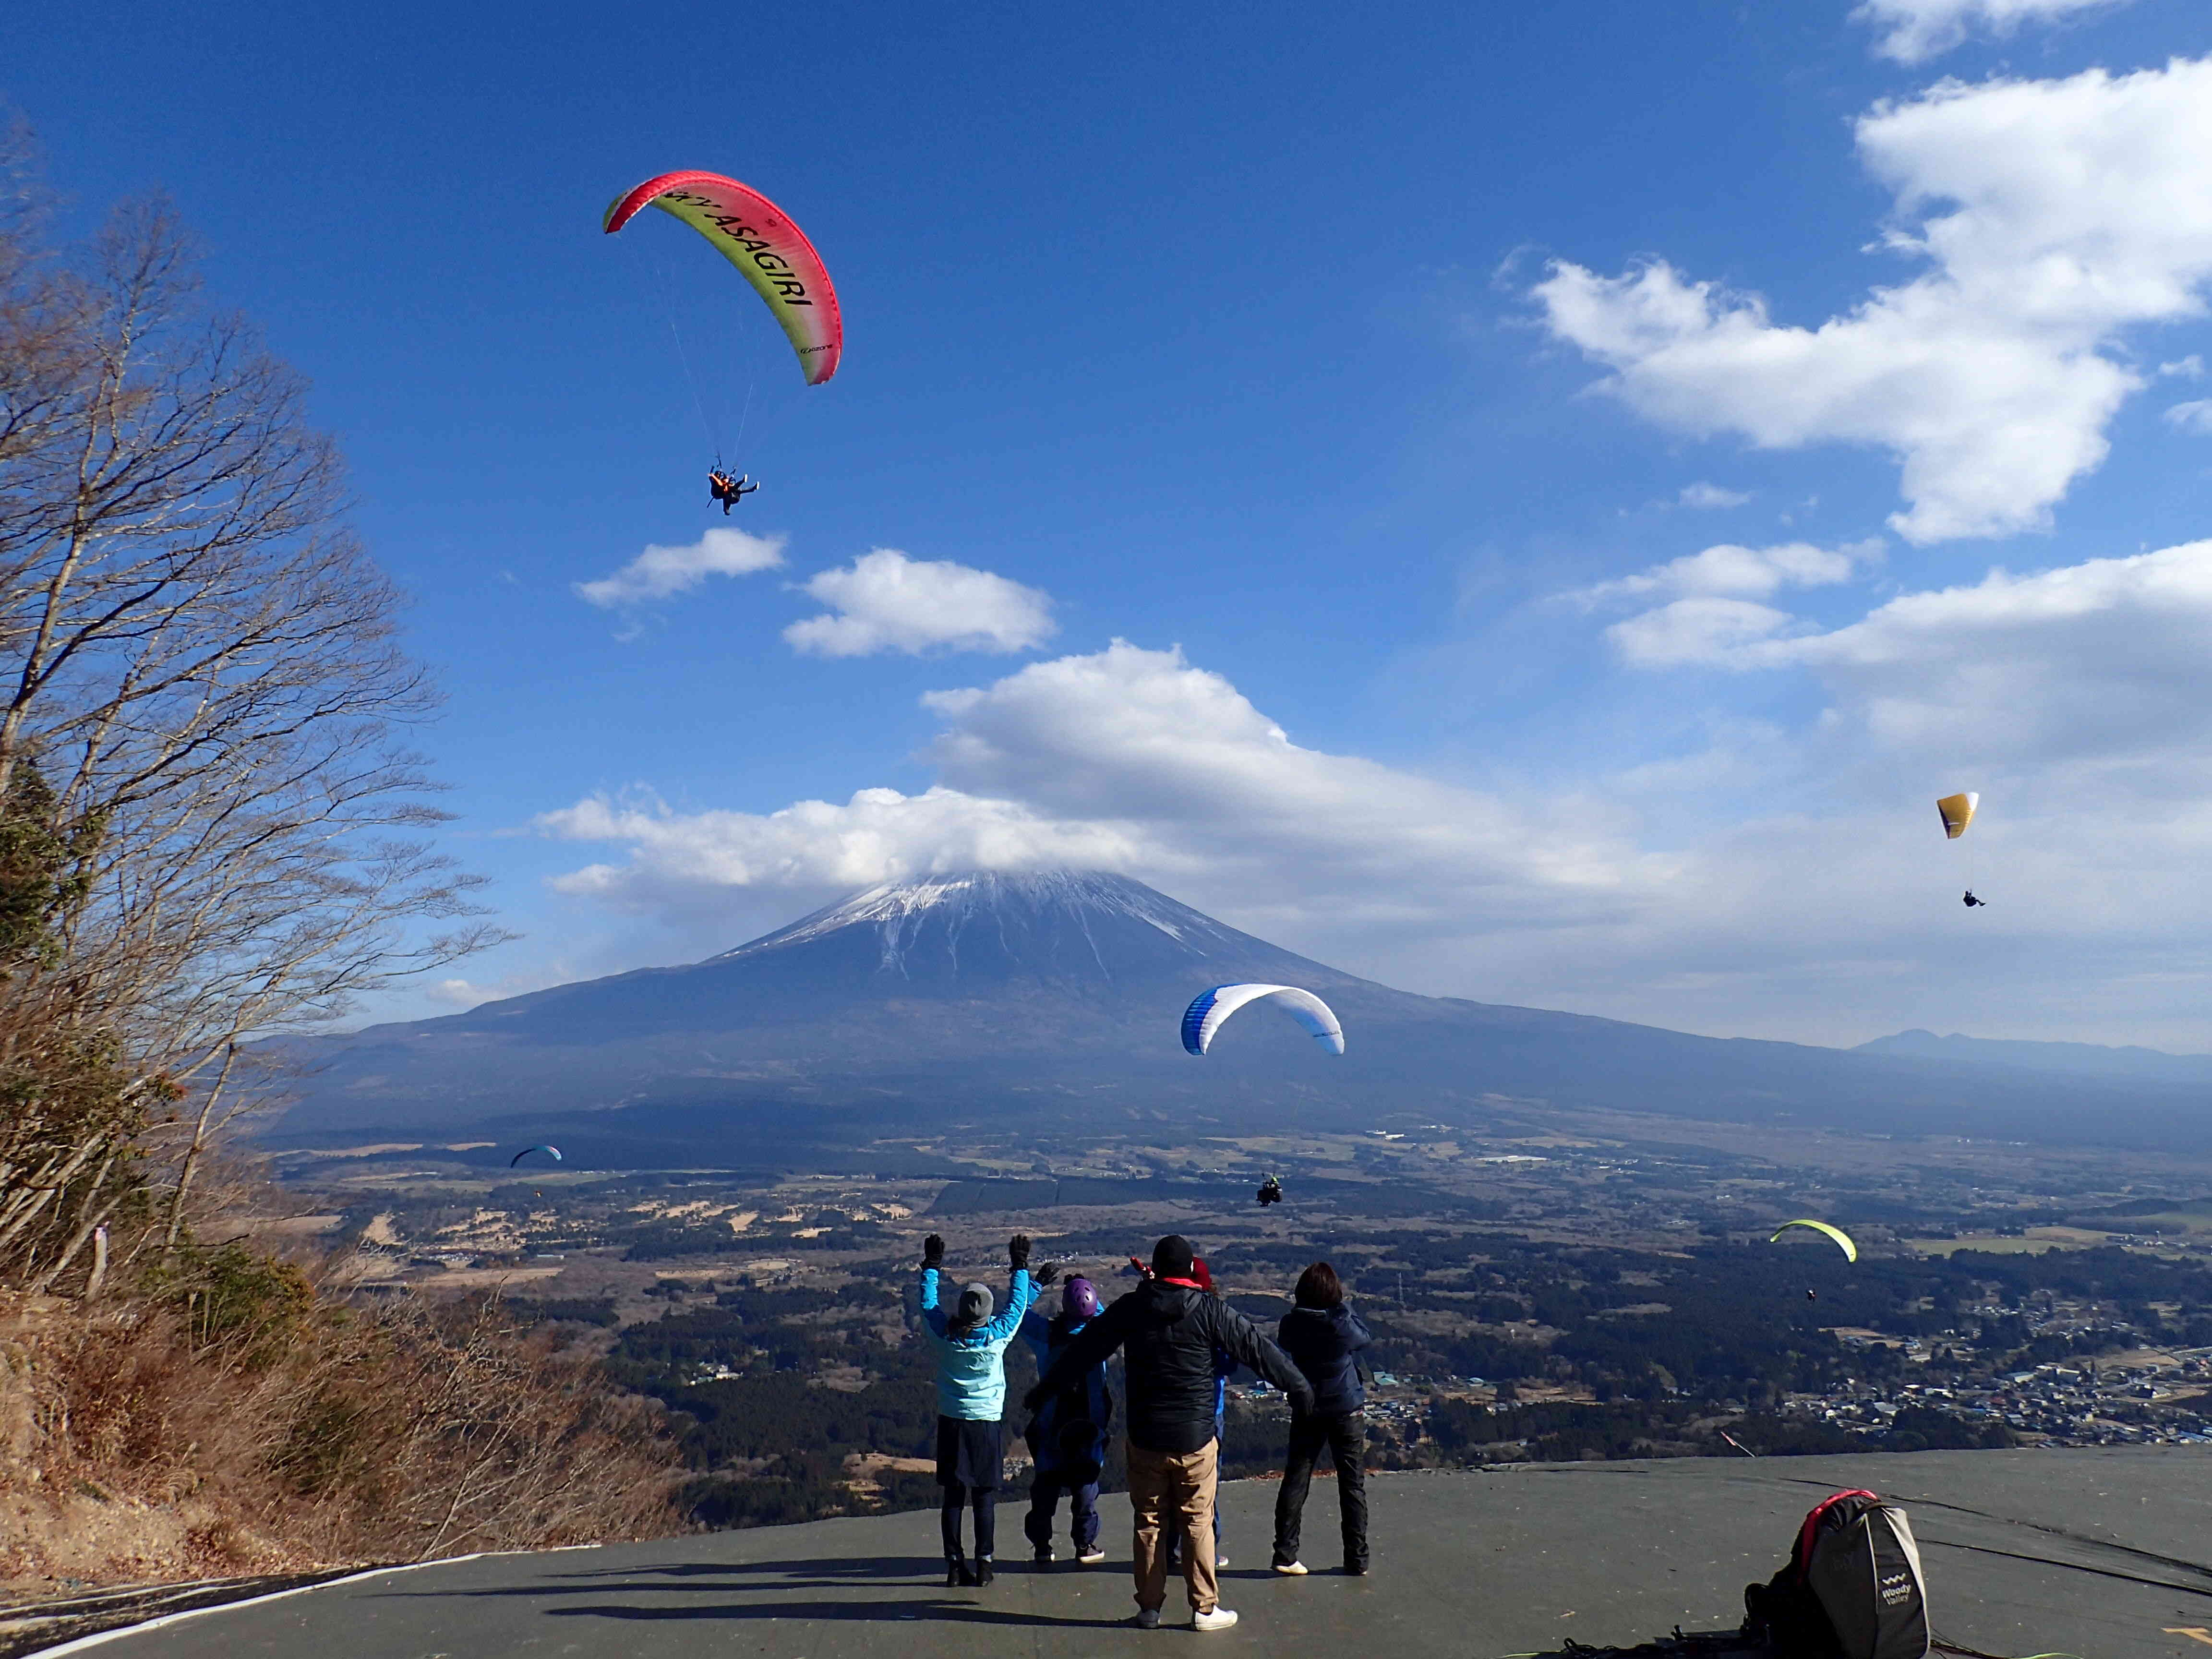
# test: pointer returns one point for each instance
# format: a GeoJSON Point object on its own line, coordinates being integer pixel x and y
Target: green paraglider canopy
{"type": "Point", "coordinates": [1850, 1251]}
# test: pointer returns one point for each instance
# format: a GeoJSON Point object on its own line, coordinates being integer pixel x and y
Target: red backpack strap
{"type": "Point", "coordinates": [1801, 1557]}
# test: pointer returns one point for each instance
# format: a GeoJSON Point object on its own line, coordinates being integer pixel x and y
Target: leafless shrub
{"type": "Point", "coordinates": [278, 1428]}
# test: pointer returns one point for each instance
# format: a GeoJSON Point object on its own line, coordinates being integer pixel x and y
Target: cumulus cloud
{"type": "Point", "coordinates": [2071, 697]}
{"type": "Point", "coordinates": [679, 860]}
{"type": "Point", "coordinates": [2052, 216]}
{"type": "Point", "coordinates": [885, 601]}
{"type": "Point", "coordinates": [2195, 416]}
{"type": "Point", "coordinates": [1728, 569]}
{"type": "Point", "coordinates": [2191, 368]}
{"type": "Point", "coordinates": [660, 573]}
{"type": "Point", "coordinates": [1134, 760]}
{"type": "Point", "coordinates": [1708, 495]}
{"type": "Point", "coordinates": [1913, 31]}
{"type": "Point", "coordinates": [2104, 659]}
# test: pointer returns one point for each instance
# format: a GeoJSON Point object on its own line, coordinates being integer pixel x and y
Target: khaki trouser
{"type": "Point", "coordinates": [1175, 1490]}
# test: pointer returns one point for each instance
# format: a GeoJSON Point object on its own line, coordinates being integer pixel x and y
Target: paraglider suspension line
{"type": "Point", "coordinates": [667, 285]}
{"type": "Point", "coordinates": [697, 402]}
{"type": "Point", "coordinates": [744, 414]}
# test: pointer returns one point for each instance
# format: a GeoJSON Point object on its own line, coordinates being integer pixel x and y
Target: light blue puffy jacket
{"type": "Point", "coordinates": [971, 1369]}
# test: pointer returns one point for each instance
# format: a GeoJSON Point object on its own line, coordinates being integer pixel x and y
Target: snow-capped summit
{"type": "Point", "coordinates": [1052, 922]}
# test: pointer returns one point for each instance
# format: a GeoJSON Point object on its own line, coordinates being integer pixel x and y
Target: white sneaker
{"type": "Point", "coordinates": [1220, 1560]}
{"type": "Point", "coordinates": [1148, 1618]}
{"type": "Point", "coordinates": [1091, 1557]}
{"type": "Point", "coordinates": [1219, 1618]}
{"type": "Point", "coordinates": [1291, 1568]}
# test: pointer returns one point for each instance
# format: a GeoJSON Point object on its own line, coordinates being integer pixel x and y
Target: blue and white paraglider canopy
{"type": "Point", "coordinates": [1205, 1014]}
{"type": "Point", "coordinates": [555, 1151]}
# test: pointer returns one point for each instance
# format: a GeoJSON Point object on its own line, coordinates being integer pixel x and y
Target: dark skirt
{"type": "Point", "coordinates": [969, 1453]}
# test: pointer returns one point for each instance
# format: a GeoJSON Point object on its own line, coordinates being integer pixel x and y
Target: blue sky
{"type": "Point", "coordinates": [1398, 372]}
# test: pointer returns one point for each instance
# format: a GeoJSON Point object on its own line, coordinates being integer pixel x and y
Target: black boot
{"type": "Point", "coordinates": [956, 1572]}
{"type": "Point", "coordinates": [984, 1574]}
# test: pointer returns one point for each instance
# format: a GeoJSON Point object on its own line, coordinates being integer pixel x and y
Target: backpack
{"type": "Point", "coordinates": [1853, 1588]}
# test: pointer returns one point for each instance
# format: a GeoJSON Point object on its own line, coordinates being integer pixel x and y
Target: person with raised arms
{"type": "Point", "coordinates": [971, 1397]}
{"type": "Point", "coordinates": [1167, 1330]}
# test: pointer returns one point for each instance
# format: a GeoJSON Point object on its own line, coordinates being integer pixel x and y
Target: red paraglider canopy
{"type": "Point", "coordinates": [769, 250]}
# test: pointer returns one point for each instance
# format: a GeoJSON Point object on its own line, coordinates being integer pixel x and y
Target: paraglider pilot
{"type": "Point", "coordinates": [1971, 902]}
{"type": "Point", "coordinates": [1271, 1192]}
{"type": "Point", "coordinates": [727, 490]}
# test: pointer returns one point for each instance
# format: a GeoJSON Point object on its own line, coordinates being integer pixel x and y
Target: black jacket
{"type": "Point", "coordinates": [1168, 1334]}
{"type": "Point", "coordinates": [1321, 1342]}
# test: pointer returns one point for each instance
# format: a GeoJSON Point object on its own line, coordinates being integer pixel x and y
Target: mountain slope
{"type": "Point", "coordinates": [1055, 998]}
{"type": "Point", "coordinates": [2075, 1058]}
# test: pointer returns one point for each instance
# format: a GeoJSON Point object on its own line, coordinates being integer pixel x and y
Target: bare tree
{"type": "Point", "coordinates": [212, 830]}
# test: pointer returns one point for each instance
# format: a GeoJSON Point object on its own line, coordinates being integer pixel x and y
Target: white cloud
{"type": "Point", "coordinates": [1694, 631]}
{"type": "Point", "coordinates": [887, 602]}
{"type": "Point", "coordinates": [1914, 31]}
{"type": "Point", "coordinates": [679, 859]}
{"type": "Point", "coordinates": [2194, 418]}
{"type": "Point", "coordinates": [2052, 215]}
{"type": "Point", "coordinates": [1134, 760]}
{"type": "Point", "coordinates": [2104, 659]}
{"type": "Point", "coordinates": [2191, 368]}
{"type": "Point", "coordinates": [2070, 697]}
{"type": "Point", "coordinates": [1708, 495]}
{"type": "Point", "coordinates": [1728, 569]}
{"type": "Point", "coordinates": [660, 572]}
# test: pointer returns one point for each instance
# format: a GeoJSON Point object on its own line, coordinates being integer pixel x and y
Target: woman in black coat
{"type": "Point", "coordinates": [1322, 1338]}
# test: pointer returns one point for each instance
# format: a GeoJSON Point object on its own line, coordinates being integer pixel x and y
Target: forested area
{"type": "Point", "coordinates": [777, 1390]}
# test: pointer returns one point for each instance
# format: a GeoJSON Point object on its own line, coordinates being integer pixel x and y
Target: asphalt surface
{"type": "Point", "coordinates": [2104, 1553]}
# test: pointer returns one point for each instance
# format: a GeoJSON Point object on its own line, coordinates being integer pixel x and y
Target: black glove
{"type": "Point", "coordinates": [1302, 1402]}
{"type": "Point", "coordinates": [1050, 1272]}
{"type": "Point", "coordinates": [1033, 1401]}
{"type": "Point", "coordinates": [1017, 1251]}
{"type": "Point", "coordinates": [932, 1251]}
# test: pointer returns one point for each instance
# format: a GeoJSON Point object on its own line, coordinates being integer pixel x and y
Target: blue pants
{"type": "Point", "coordinates": [1045, 1488]}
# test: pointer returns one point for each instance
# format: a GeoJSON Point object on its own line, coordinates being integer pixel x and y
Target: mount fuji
{"type": "Point", "coordinates": [1054, 998]}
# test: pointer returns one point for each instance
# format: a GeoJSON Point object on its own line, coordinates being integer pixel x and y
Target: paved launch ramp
{"type": "Point", "coordinates": [2104, 1553]}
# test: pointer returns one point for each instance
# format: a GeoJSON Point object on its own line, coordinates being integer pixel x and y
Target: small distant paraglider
{"type": "Point", "coordinates": [553, 1153]}
{"type": "Point", "coordinates": [1209, 1009]}
{"type": "Point", "coordinates": [1271, 1192]}
{"type": "Point", "coordinates": [1957, 811]}
{"type": "Point", "coordinates": [1842, 1238]}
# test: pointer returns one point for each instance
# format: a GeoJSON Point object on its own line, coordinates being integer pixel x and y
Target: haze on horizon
{"type": "Point", "coordinates": [1511, 505]}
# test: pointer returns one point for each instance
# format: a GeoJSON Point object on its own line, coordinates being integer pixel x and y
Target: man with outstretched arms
{"type": "Point", "coordinates": [1167, 1330]}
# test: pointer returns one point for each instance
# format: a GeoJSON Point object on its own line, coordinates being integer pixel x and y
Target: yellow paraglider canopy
{"type": "Point", "coordinates": [1958, 812]}
{"type": "Point", "coordinates": [1850, 1251]}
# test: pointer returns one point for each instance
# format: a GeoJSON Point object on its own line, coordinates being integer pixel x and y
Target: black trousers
{"type": "Point", "coordinates": [1345, 1438]}
{"type": "Point", "coordinates": [985, 1502]}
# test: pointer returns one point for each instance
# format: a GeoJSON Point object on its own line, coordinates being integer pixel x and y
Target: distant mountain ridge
{"type": "Point", "coordinates": [1053, 999]}
{"type": "Point", "coordinates": [2075, 1059]}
